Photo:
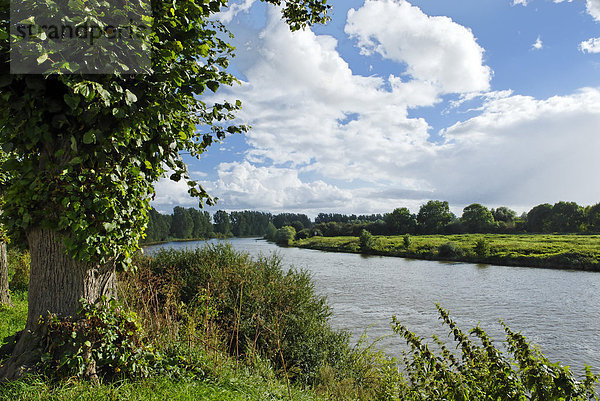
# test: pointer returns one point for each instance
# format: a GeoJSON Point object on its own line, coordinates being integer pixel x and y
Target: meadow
{"type": "Point", "coordinates": [579, 252]}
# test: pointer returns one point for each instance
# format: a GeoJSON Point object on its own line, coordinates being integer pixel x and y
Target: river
{"type": "Point", "coordinates": [558, 310]}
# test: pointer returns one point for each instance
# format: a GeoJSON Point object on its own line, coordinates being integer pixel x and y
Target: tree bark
{"type": "Point", "coordinates": [4, 293]}
{"type": "Point", "coordinates": [57, 282]}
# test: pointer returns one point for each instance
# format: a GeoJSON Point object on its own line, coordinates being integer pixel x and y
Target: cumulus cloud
{"type": "Point", "coordinates": [326, 139]}
{"type": "Point", "coordinates": [538, 45]}
{"type": "Point", "coordinates": [233, 10]}
{"type": "Point", "coordinates": [590, 46]}
{"type": "Point", "coordinates": [521, 2]}
{"type": "Point", "coordinates": [242, 185]}
{"type": "Point", "coordinates": [170, 193]}
{"type": "Point", "coordinates": [592, 7]}
{"type": "Point", "coordinates": [435, 49]}
{"type": "Point", "coordinates": [523, 151]}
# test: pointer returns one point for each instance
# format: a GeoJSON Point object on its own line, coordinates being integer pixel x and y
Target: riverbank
{"type": "Point", "coordinates": [573, 252]}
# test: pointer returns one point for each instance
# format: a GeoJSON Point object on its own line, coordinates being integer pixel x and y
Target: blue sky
{"type": "Point", "coordinates": [393, 103]}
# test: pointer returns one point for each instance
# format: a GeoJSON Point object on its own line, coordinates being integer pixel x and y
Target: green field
{"type": "Point", "coordinates": [579, 252]}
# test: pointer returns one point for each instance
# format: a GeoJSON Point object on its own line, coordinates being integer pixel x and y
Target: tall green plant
{"type": "Point", "coordinates": [480, 371]}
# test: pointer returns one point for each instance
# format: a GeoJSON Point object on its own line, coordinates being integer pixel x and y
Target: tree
{"type": "Point", "coordinates": [203, 227]}
{"type": "Point", "coordinates": [271, 232]}
{"type": "Point", "coordinates": [539, 219]}
{"type": "Point", "coordinates": [401, 221]}
{"type": "Point", "coordinates": [222, 223]}
{"type": "Point", "coordinates": [182, 225]}
{"type": "Point", "coordinates": [159, 226]}
{"type": "Point", "coordinates": [4, 290]}
{"type": "Point", "coordinates": [592, 217]}
{"type": "Point", "coordinates": [86, 149]}
{"type": "Point", "coordinates": [567, 217]}
{"type": "Point", "coordinates": [284, 235]}
{"type": "Point", "coordinates": [504, 214]}
{"type": "Point", "coordinates": [434, 216]}
{"type": "Point", "coordinates": [366, 240]}
{"type": "Point", "coordinates": [477, 218]}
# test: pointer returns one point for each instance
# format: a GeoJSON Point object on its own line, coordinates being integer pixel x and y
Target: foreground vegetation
{"type": "Point", "coordinates": [581, 252]}
{"type": "Point", "coordinates": [216, 324]}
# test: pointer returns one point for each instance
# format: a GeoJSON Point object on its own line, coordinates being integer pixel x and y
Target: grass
{"type": "Point", "coordinates": [224, 380]}
{"type": "Point", "coordinates": [196, 297]}
{"type": "Point", "coordinates": [12, 319]}
{"type": "Point", "coordinates": [581, 252]}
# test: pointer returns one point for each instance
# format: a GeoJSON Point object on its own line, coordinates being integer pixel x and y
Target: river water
{"type": "Point", "coordinates": [558, 310]}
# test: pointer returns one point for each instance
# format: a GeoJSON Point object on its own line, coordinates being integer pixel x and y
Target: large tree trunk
{"type": "Point", "coordinates": [57, 282]}
{"type": "Point", "coordinates": [4, 293]}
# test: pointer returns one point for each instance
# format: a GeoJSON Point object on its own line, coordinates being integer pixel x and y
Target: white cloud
{"type": "Point", "coordinates": [233, 10]}
{"type": "Point", "coordinates": [590, 46]}
{"type": "Point", "coordinates": [521, 2]}
{"type": "Point", "coordinates": [245, 186]}
{"type": "Point", "coordinates": [170, 193]}
{"type": "Point", "coordinates": [525, 151]}
{"type": "Point", "coordinates": [435, 49]}
{"type": "Point", "coordinates": [592, 7]}
{"type": "Point", "coordinates": [325, 139]}
{"type": "Point", "coordinates": [538, 45]}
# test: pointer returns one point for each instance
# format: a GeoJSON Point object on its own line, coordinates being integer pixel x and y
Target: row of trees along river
{"type": "Point", "coordinates": [433, 217]}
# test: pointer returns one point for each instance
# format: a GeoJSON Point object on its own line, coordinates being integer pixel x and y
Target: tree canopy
{"type": "Point", "coordinates": [86, 149]}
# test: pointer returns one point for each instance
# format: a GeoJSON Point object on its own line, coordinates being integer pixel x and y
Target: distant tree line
{"type": "Point", "coordinates": [192, 223]}
{"type": "Point", "coordinates": [433, 217]}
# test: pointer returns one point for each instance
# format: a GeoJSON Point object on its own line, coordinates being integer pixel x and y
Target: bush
{"type": "Point", "coordinates": [284, 235]}
{"type": "Point", "coordinates": [406, 240]}
{"type": "Point", "coordinates": [482, 248]}
{"type": "Point", "coordinates": [366, 240]}
{"type": "Point", "coordinates": [251, 304]}
{"type": "Point", "coordinates": [483, 372]}
{"type": "Point", "coordinates": [448, 250]}
{"type": "Point", "coordinates": [303, 234]}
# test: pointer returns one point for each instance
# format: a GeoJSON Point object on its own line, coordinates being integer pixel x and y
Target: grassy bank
{"type": "Point", "coordinates": [579, 252]}
{"type": "Point", "coordinates": [215, 324]}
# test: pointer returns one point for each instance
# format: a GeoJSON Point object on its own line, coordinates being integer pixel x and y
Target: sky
{"type": "Point", "coordinates": [394, 103]}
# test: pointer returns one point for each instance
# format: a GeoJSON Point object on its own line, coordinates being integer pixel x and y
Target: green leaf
{"type": "Point", "coordinates": [72, 101]}
{"type": "Point", "coordinates": [89, 138]}
{"type": "Point", "coordinates": [130, 98]}
{"type": "Point", "coordinates": [42, 58]}
{"type": "Point", "coordinates": [213, 85]}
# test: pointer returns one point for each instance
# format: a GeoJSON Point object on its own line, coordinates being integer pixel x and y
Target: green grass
{"type": "Point", "coordinates": [246, 388]}
{"type": "Point", "coordinates": [13, 319]}
{"type": "Point", "coordinates": [581, 252]}
{"type": "Point", "coordinates": [223, 379]}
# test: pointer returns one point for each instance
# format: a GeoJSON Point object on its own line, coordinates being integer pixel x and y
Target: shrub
{"type": "Point", "coordinates": [255, 307]}
{"type": "Point", "coordinates": [302, 234]}
{"type": "Point", "coordinates": [284, 235]}
{"type": "Point", "coordinates": [483, 372]}
{"type": "Point", "coordinates": [406, 240]}
{"type": "Point", "coordinates": [448, 250]}
{"type": "Point", "coordinates": [482, 248]}
{"type": "Point", "coordinates": [366, 240]}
